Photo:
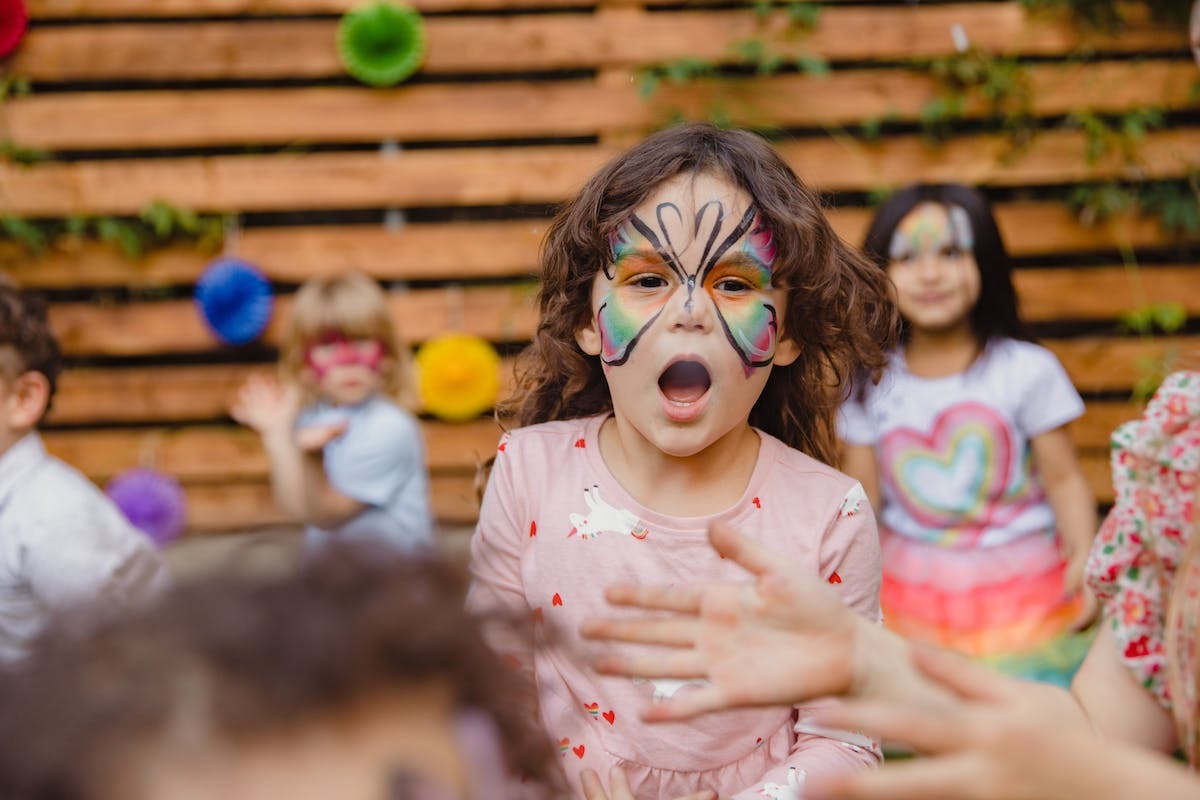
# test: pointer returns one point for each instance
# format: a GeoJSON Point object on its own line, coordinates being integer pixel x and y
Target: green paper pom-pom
{"type": "Point", "coordinates": [381, 43]}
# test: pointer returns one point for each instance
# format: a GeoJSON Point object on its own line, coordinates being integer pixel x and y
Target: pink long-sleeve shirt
{"type": "Point", "coordinates": [556, 528]}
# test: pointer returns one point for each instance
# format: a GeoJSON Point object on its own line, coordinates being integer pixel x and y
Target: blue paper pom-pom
{"type": "Point", "coordinates": [235, 299]}
{"type": "Point", "coordinates": [153, 503]}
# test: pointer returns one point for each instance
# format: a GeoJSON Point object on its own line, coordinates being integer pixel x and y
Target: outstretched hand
{"type": "Point", "coordinates": [990, 737]}
{"type": "Point", "coordinates": [780, 639]}
{"type": "Point", "coordinates": [266, 405]}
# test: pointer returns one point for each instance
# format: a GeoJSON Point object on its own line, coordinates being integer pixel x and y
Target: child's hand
{"type": "Point", "coordinates": [779, 640]}
{"type": "Point", "coordinates": [266, 405]}
{"type": "Point", "coordinates": [314, 437]}
{"type": "Point", "coordinates": [618, 787]}
{"type": "Point", "coordinates": [992, 737]}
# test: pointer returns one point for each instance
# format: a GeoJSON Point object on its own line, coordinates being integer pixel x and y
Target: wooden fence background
{"type": "Point", "coordinates": [241, 106]}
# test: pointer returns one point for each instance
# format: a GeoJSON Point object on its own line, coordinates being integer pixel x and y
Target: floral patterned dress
{"type": "Point", "coordinates": [1133, 563]}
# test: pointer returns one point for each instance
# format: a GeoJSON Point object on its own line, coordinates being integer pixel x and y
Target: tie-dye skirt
{"type": "Point", "coordinates": [1004, 604]}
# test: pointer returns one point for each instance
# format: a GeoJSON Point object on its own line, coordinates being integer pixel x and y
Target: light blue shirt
{"type": "Point", "coordinates": [380, 462]}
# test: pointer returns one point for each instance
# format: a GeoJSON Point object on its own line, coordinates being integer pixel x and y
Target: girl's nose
{"type": "Point", "coordinates": [691, 308]}
{"type": "Point", "coordinates": [929, 266]}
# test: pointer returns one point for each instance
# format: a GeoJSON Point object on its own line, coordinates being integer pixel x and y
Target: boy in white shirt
{"type": "Point", "coordinates": [62, 542]}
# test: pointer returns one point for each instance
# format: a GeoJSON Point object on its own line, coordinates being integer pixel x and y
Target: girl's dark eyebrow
{"type": "Point", "coordinates": [739, 258]}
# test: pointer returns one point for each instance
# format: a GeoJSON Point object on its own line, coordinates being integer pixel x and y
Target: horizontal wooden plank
{"type": "Point", "coordinates": [501, 313]}
{"type": "Point", "coordinates": [480, 176]}
{"type": "Point", "coordinates": [163, 394]}
{"type": "Point", "coordinates": [1093, 431]}
{"type": "Point", "coordinates": [96, 9]}
{"type": "Point", "coordinates": [1104, 364]}
{"type": "Point", "coordinates": [215, 454]}
{"type": "Point", "coordinates": [479, 111]}
{"type": "Point", "coordinates": [1104, 293]}
{"type": "Point", "coordinates": [472, 250]}
{"type": "Point", "coordinates": [248, 505]}
{"type": "Point", "coordinates": [304, 48]}
{"type": "Point", "coordinates": [239, 507]}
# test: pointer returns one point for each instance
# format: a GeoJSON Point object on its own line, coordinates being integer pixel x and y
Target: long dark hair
{"type": "Point", "coordinates": [996, 313]}
{"type": "Point", "coordinates": [839, 310]}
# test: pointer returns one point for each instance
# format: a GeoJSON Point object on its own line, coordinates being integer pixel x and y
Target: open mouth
{"type": "Point", "coordinates": [684, 382]}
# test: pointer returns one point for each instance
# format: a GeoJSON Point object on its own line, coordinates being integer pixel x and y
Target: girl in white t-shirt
{"type": "Point", "coordinates": [986, 517]}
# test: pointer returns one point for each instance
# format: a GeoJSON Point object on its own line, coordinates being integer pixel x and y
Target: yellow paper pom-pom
{"type": "Point", "coordinates": [458, 376]}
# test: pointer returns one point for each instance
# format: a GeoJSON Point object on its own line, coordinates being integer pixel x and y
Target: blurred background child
{"type": "Point", "coordinates": [61, 540]}
{"type": "Point", "coordinates": [346, 457]}
{"type": "Point", "coordinates": [359, 677]}
{"type": "Point", "coordinates": [963, 448]}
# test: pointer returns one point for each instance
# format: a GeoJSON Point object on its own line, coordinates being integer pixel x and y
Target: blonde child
{"type": "Point", "coordinates": [697, 317]}
{"type": "Point", "coordinates": [985, 514]}
{"type": "Point", "coordinates": [1134, 699]}
{"type": "Point", "coordinates": [61, 540]}
{"type": "Point", "coordinates": [345, 457]}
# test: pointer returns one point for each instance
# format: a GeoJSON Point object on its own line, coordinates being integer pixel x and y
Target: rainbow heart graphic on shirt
{"type": "Point", "coordinates": [952, 478]}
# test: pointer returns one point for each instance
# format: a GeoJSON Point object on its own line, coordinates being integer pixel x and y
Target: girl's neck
{"type": "Point", "coordinates": [706, 483]}
{"type": "Point", "coordinates": [938, 354]}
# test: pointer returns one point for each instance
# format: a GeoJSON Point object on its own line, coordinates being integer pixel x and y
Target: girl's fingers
{"type": "Point", "coordinates": [618, 784]}
{"type": "Point", "coordinates": [918, 779]}
{"type": "Point", "coordinates": [684, 599]}
{"type": "Point", "coordinates": [966, 679]}
{"type": "Point", "coordinates": [685, 664]}
{"type": "Point", "coordinates": [927, 729]}
{"type": "Point", "coordinates": [592, 788]}
{"type": "Point", "coordinates": [746, 552]}
{"type": "Point", "coordinates": [667, 632]}
{"type": "Point", "coordinates": [690, 704]}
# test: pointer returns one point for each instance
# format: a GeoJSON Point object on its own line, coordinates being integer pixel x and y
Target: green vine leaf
{"type": "Point", "coordinates": [24, 232]}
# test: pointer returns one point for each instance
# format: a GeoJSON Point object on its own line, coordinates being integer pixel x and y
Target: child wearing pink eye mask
{"type": "Point", "coordinates": [345, 457]}
{"type": "Point", "coordinates": [699, 319]}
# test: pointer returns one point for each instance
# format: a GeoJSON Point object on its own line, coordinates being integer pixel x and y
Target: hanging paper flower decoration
{"type": "Point", "coordinates": [235, 300]}
{"type": "Point", "coordinates": [381, 43]}
{"type": "Point", "coordinates": [153, 503]}
{"type": "Point", "coordinates": [458, 376]}
{"type": "Point", "coordinates": [13, 21]}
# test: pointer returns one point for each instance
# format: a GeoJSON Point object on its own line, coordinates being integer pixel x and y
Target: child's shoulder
{"type": "Point", "coordinates": [1006, 352]}
{"type": "Point", "coordinates": [550, 435]}
{"type": "Point", "coordinates": [797, 468]}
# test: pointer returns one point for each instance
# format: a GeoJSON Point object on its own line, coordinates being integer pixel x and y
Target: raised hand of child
{"type": "Point", "coordinates": [990, 737]}
{"type": "Point", "coordinates": [618, 787]}
{"type": "Point", "coordinates": [781, 639]}
{"type": "Point", "coordinates": [266, 405]}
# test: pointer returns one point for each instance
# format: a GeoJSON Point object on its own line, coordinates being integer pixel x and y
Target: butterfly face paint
{"type": "Point", "coordinates": [338, 351]}
{"type": "Point", "coordinates": [710, 256]}
{"type": "Point", "coordinates": [928, 231]}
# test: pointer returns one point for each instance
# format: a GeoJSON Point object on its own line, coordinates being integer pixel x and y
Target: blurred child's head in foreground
{"type": "Point", "coordinates": [359, 677]}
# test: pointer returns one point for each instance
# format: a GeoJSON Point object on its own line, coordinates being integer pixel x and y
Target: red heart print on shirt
{"type": "Point", "coordinates": [578, 751]}
{"type": "Point", "coordinates": [556, 600]}
{"type": "Point", "coordinates": [610, 716]}
{"type": "Point", "coordinates": [835, 578]}
{"type": "Point", "coordinates": [533, 529]}
{"type": "Point", "coordinates": [757, 502]}
{"type": "Point", "coordinates": [580, 443]}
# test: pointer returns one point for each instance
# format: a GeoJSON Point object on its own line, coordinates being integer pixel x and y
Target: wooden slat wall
{"type": "Point", "coordinates": [241, 106]}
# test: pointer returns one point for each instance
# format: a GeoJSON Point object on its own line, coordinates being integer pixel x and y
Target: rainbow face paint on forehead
{"type": "Point", "coordinates": [732, 268]}
{"type": "Point", "coordinates": [932, 229]}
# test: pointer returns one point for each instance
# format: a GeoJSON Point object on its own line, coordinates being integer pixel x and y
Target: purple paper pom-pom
{"type": "Point", "coordinates": [152, 502]}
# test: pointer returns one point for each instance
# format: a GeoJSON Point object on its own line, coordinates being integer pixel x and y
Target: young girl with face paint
{"type": "Point", "coordinates": [986, 517]}
{"type": "Point", "coordinates": [345, 458]}
{"type": "Point", "coordinates": [699, 319]}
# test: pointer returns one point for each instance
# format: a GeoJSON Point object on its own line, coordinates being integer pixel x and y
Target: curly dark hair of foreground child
{"type": "Point", "coordinates": [838, 304]}
{"type": "Point", "coordinates": [226, 665]}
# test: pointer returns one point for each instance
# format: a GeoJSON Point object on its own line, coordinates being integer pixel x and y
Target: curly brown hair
{"type": "Point", "coordinates": [26, 342]}
{"type": "Point", "coordinates": [238, 658]}
{"type": "Point", "coordinates": [839, 309]}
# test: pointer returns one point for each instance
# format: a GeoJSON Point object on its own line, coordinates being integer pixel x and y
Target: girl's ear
{"type": "Point", "coordinates": [588, 338]}
{"type": "Point", "coordinates": [786, 352]}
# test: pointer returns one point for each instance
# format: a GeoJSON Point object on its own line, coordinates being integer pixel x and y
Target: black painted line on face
{"type": "Point", "coordinates": [616, 362]}
{"type": "Point", "coordinates": [738, 348]}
